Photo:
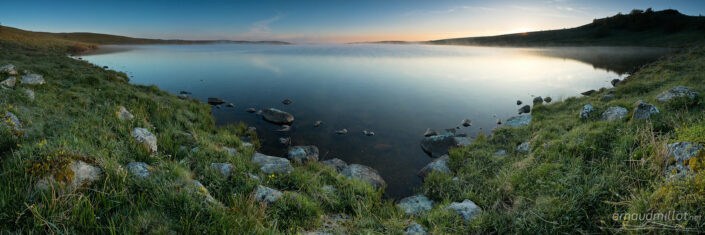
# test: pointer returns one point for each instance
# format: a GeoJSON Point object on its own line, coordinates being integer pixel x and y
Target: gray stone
{"type": "Point", "coordinates": [415, 229]}
{"type": "Point", "coordinates": [203, 191]}
{"type": "Point", "coordinates": [285, 140]}
{"type": "Point", "coordinates": [145, 137]}
{"type": "Point", "coordinates": [286, 101]}
{"type": "Point", "coordinates": [587, 93]}
{"type": "Point", "coordinates": [12, 121]}
{"type": "Point", "coordinates": [466, 123]}
{"type": "Point", "coordinates": [615, 82]}
{"type": "Point", "coordinates": [524, 147]}
{"type": "Point", "coordinates": [247, 144]}
{"type": "Point", "coordinates": [644, 110]}
{"type": "Point", "coordinates": [251, 128]}
{"type": "Point", "coordinates": [463, 140]}
{"type": "Point", "coordinates": [430, 132]}
{"type": "Point", "coordinates": [223, 168]}
{"type": "Point", "coordinates": [466, 209]}
{"type": "Point", "coordinates": [251, 110]}
{"type": "Point", "coordinates": [365, 173]}
{"type": "Point", "coordinates": [676, 92]}
{"type": "Point", "coordinates": [267, 195]}
{"type": "Point", "coordinates": [500, 152]}
{"type": "Point", "coordinates": [524, 109]}
{"type": "Point", "coordinates": [277, 116]}
{"type": "Point", "coordinates": [607, 97]}
{"type": "Point", "coordinates": [614, 113]}
{"type": "Point", "coordinates": [438, 145]}
{"type": "Point", "coordinates": [337, 164]}
{"type": "Point", "coordinates": [215, 101]}
{"type": "Point", "coordinates": [679, 155]}
{"type": "Point", "coordinates": [587, 111]}
{"type": "Point", "coordinates": [271, 164]}
{"type": "Point", "coordinates": [548, 99]}
{"type": "Point", "coordinates": [538, 100]}
{"type": "Point", "coordinates": [9, 69]}
{"type": "Point", "coordinates": [30, 94]}
{"type": "Point", "coordinates": [123, 114]}
{"type": "Point", "coordinates": [519, 102]}
{"type": "Point", "coordinates": [341, 132]}
{"type": "Point", "coordinates": [83, 174]}
{"type": "Point", "coordinates": [9, 82]}
{"type": "Point", "coordinates": [302, 154]}
{"type": "Point", "coordinates": [439, 165]}
{"type": "Point", "coordinates": [32, 79]}
{"type": "Point", "coordinates": [415, 205]}
{"type": "Point", "coordinates": [284, 128]}
{"type": "Point", "coordinates": [519, 121]}
{"type": "Point", "coordinates": [317, 123]}
{"type": "Point", "coordinates": [368, 133]}
{"type": "Point", "coordinates": [230, 151]}
{"type": "Point", "coordinates": [139, 169]}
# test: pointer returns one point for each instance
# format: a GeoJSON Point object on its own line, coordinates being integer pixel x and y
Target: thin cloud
{"type": "Point", "coordinates": [260, 30]}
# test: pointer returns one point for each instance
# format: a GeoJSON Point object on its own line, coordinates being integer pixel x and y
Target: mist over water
{"type": "Point", "coordinates": [397, 91]}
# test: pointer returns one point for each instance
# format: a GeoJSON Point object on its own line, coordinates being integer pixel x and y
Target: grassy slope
{"type": "Point", "coordinates": [577, 175]}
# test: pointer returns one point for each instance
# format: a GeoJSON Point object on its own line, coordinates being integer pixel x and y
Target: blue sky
{"type": "Point", "coordinates": [332, 21]}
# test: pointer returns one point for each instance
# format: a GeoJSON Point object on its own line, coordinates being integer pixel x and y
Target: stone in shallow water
{"type": "Point", "coordinates": [466, 122]}
{"type": "Point", "coordinates": [303, 153]}
{"type": "Point", "coordinates": [215, 101]}
{"type": "Point", "coordinates": [538, 100]}
{"type": "Point", "coordinates": [271, 164]}
{"type": "Point", "coordinates": [524, 109]}
{"type": "Point", "coordinates": [337, 164]}
{"type": "Point", "coordinates": [364, 173]}
{"type": "Point", "coordinates": [438, 145]}
{"type": "Point", "coordinates": [430, 132]}
{"type": "Point", "coordinates": [277, 116]}
{"type": "Point", "coordinates": [439, 165]}
{"type": "Point", "coordinates": [519, 121]}
{"type": "Point", "coordinates": [614, 113]}
{"type": "Point", "coordinates": [415, 205]}
{"type": "Point", "coordinates": [466, 209]}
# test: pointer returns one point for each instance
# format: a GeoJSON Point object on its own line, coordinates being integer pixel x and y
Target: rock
{"type": "Point", "coordinates": [145, 137]}
{"type": "Point", "coordinates": [285, 128]}
{"type": "Point", "coordinates": [500, 153]}
{"type": "Point", "coordinates": [342, 132]}
{"type": "Point", "coordinates": [415, 229]}
{"type": "Point", "coordinates": [218, 106]}
{"type": "Point", "coordinates": [267, 195]}
{"type": "Point", "coordinates": [247, 144]}
{"type": "Point", "coordinates": [30, 94]}
{"type": "Point", "coordinates": [223, 168]}
{"type": "Point", "coordinates": [466, 122]}
{"type": "Point", "coordinates": [303, 153]}
{"type": "Point", "coordinates": [251, 128]}
{"type": "Point", "coordinates": [368, 133]}
{"type": "Point", "coordinates": [524, 109]}
{"type": "Point", "coordinates": [9, 82]}
{"type": "Point", "coordinates": [438, 145]}
{"type": "Point", "coordinates": [215, 101]}
{"type": "Point", "coordinates": [462, 140]}
{"type": "Point", "coordinates": [9, 69]}
{"type": "Point", "coordinates": [12, 121]}
{"type": "Point", "coordinates": [32, 79]}
{"type": "Point", "coordinates": [259, 112]}
{"type": "Point", "coordinates": [285, 140]}
{"type": "Point", "coordinates": [607, 97]}
{"type": "Point", "coordinates": [317, 123]}
{"type": "Point", "coordinates": [614, 113]}
{"type": "Point", "coordinates": [538, 100]}
{"type": "Point", "coordinates": [183, 97]}
{"type": "Point", "coordinates": [499, 121]}
{"type": "Point", "coordinates": [430, 132]}
{"type": "Point", "coordinates": [679, 155]}
{"type": "Point", "coordinates": [466, 209]}
{"type": "Point", "coordinates": [203, 191]}
{"type": "Point", "coordinates": [524, 147]}
{"type": "Point", "coordinates": [519, 121]}
{"type": "Point", "coordinates": [519, 102]}
{"type": "Point", "coordinates": [644, 110]}
{"type": "Point", "coordinates": [184, 93]}
{"type": "Point", "coordinates": [230, 105]}
{"type": "Point", "coordinates": [676, 92]}
{"type": "Point", "coordinates": [586, 112]}
{"type": "Point", "coordinates": [439, 165]}
{"type": "Point", "coordinates": [76, 175]}
{"type": "Point", "coordinates": [139, 169]}
{"type": "Point", "coordinates": [277, 116]}
{"type": "Point", "coordinates": [251, 110]}
{"type": "Point", "coordinates": [123, 114]}
{"type": "Point", "coordinates": [415, 205]}
{"type": "Point", "coordinates": [548, 99]}
{"type": "Point", "coordinates": [286, 101]}
{"type": "Point", "coordinates": [615, 82]}
{"type": "Point", "coordinates": [364, 173]}
{"type": "Point", "coordinates": [332, 224]}
{"type": "Point", "coordinates": [272, 165]}
{"type": "Point", "coordinates": [337, 164]}
{"type": "Point", "coordinates": [590, 92]}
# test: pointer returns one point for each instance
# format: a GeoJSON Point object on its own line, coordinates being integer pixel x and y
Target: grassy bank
{"type": "Point", "coordinates": [576, 176]}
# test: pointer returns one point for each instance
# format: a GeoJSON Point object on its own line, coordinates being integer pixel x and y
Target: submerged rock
{"type": "Point", "coordinates": [223, 168]}
{"type": "Point", "coordinates": [145, 137]}
{"type": "Point", "coordinates": [32, 79]}
{"type": "Point", "coordinates": [267, 195]}
{"type": "Point", "coordinates": [277, 116]}
{"type": "Point", "coordinates": [285, 128]}
{"type": "Point", "coordinates": [677, 92]}
{"type": "Point", "coordinates": [123, 114]}
{"type": "Point", "coordinates": [466, 209]}
{"type": "Point", "coordinates": [337, 164]}
{"type": "Point", "coordinates": [139, 169]}
{"type": "Point", "coordinates": [76, 175]}
{"type": "Point", "coordinates": [587, 93]}
{"type": "Point", "coordinates": [614, 113]}
{"type": "Point", "coordinates": [430, 132]}
{"type": "Point", "coordinates": [272, 165]}
{"type": "Point", "coordinates": [466, 122]}
{"type": "Point", "coordinates": [519, 102]}
{"type": "Point", "coordinates": [252, 129]}
{"type": "Point", "coordinates": [586, 112]}
{"type": "Point", "coordinates": [342, 132]}
{"type": "Point", "coordinates": [368, 133]}
{"type": "Point", "coordinates": [519, 121]}
{"type": "Point", "coordinates": [365, 173]}
{"type": "Point", "coordinates": [251, 110]}
{"type": "Point", "coordinates": [317, 123]}
{"type": "Point", "coordinates": [303, 153]}
{"type": "Point", "coordinates": [680, 154]}
{"type": "Point", "coordinates": [438, 145]}
{"type": "Point", "coordinates": [439, 165]}
{"type": "Point", "coordinates": [230, 105]}
{"type": "Point", "coordinates": [524, 109]}
{"type": "Point", "coordinates": [286, 101]}
{"type": "Point", "coordinates": [415, 205]}
{"type": "Point", "coordinates": [644, 110]}
{"type": "Point", "coordinates": [215, 101]}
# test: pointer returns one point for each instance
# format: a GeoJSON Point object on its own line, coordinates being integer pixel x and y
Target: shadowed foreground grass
{"type": "Point", "coordinates": [577, 175]}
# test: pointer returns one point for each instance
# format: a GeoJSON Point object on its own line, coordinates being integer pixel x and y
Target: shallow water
{"type": "Point", "coordinates": [397, 91]}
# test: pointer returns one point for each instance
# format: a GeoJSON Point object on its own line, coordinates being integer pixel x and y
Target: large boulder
{"type": "Point", "coordinates": [415, 205]}
{"type": "Point", "coordinates": [272, 165]}
{"type": "Point", "coordinates": [438, 145]}
{"type": "Point", "coordinates": [123, 114]}
{"type": "Point", "coordinates": [267, 195]}
{"type": "Point", "coordinates": [680, 154]}
{"type": "Point", "coordinates": [518, 121]}
{"type": "Point", "coordinates": [439, 165]}
{"type": "Point", "coordinates": [676, 92]}
{"type": "Point", "coordinates": [32, 79]}
{"type": "Point", "coordinates": [337, 164]}
{"type": "Point", "coordinates": [466, 209]}
{"type": "Point", "coordinates": [139, 169]}
{"type": "Point", "coordinates": [9, 82]}
{"type": "Point", "coordinates": [365, 173]}
{"type": "Point", "coordinates": [303, 153]}
{"type": "Point", "coordinates": [644, 110]}
{"type": "Point", "coordinates": [9, 69]}
{"type": "Point", "coordinates": [277, 116]}
{"type": "Point", "coordinates": [145, 137]}
{"type": "Point", "coordinates": [586, 112]}
{"type": "Point", "coordinates": [223, 168]}
{"type": "Point", "coordinates": [614, 113]}
{"type": "Point", "coordinates": [73, 176]}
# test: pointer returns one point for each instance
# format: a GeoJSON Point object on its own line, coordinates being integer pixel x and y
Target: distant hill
{"type": "Point", "coordinates": [667, 28]}
{"type": "Point", "coordinates": [78, 42]}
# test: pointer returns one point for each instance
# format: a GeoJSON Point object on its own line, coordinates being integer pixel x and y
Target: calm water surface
{"type": "Point", "coordinates": [397, 91]}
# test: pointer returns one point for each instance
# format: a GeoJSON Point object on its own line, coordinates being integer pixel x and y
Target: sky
{"type": "Point", "coordinates": [331, 21]}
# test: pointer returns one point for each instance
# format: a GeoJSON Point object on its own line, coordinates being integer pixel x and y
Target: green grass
{"type": "Point", "coordinates": [578, 174]}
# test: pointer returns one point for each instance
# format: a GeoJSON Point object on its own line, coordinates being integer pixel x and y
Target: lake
{"type": "Point", "coordinates": [397, 91]}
